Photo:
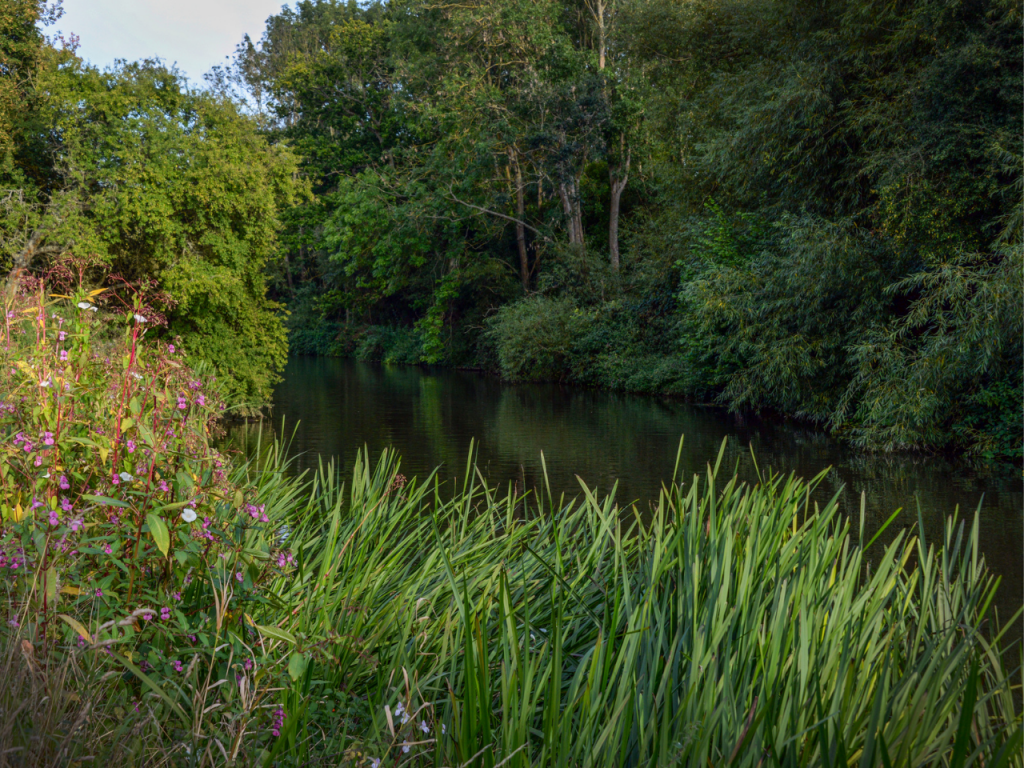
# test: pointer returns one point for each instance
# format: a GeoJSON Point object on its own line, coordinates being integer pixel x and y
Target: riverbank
{"type": "Point", "coordinates": [166, 602]}
{"type": "Point", "coordinates": [578, 350]}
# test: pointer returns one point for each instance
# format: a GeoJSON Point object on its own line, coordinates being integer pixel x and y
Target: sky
{"type": "Point", "coordinates": [197, 34]}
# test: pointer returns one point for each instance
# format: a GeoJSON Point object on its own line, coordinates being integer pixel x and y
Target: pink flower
{"type": "Point", "coordinates": [182, 404]}
{"type": "Point", "coordinates": [278, 722]}
{"type": "Point", "coordinates": [98, 593]}
{"type": "Point", "coordinates": [131, 446]}
{"type": "Point", "coordinates": [54, 517]}
{"type": "Point", "coordinates": [163, 486]}
{"type": "Point", "coordinates": [63, 355]}
{"type": "Point", "coordinates": [147, 616]}
{"type": "Point", "coordinates": [170, 348]}
{"type": "Point", "coordinates": [239, 576]}
{"type": "Point", "coordinates": [48, 438]}
{"type": "Point", "coordinates": [39, 461]}
{"type": "Point", "coordinates": [177, 665]}
{"type": "Point", "coordinates": [61, 336]}
{"type": "Point", "coordinates": [165, 613]}
{"type": "Point", "coordinates": [65, 504]}
{"type": "Point", "coordinates": [64, 484]}
{"type": "Point", "coordinates": [201, 400]}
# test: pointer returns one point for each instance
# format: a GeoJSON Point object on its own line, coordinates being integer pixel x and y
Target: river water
{"type": "Point", "coordinates": [333, 407]}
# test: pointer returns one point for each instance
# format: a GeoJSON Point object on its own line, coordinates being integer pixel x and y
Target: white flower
{"type": "Point", "coordinates": [374, 762]}
{"type": "Point", "coordinates": [444, 728]}
{"type": "Point", "coordinates": [405, 718]}
{"type": "Point", "coordinates": [84, 305]}
{"type": "Point", "coordinates": [126, 477]}
{"type": "Point", "coordinates": [400, 708]}
{"type": "Point", "coordinates": [139, 318]}
{"type": "Point", "coordinates": [136, 375]}
{"type": "Point", "coordinates": [94, 309]}
{"type": "Point", "coordinates": [44, 382]}
{"type": "Point", "coordinates": [424, 727]}
{"type": "Point", "coordinates": [406, 746]}
{"type": "Point", "coordinates": [188, 515]}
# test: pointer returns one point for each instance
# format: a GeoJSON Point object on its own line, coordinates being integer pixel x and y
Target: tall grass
{"type": "Point", "coordinates": [741, 625]}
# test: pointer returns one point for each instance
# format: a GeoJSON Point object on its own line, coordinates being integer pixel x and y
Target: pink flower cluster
{"type": "Point", "coordinates": [285, 559]}
{"type": "Point", "coordinates": [257, 512]}
{"type": "Point", "coordinates": [14, 562]}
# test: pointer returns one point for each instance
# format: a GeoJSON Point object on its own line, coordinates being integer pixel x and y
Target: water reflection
{"type": "Point", "coordinates": [604, 438]}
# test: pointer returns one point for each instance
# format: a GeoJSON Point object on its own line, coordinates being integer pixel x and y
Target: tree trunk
{"type": "Point", "coordinates": [573, 209]}
{"type": "Point", "coordinates": [618, 187]}
{"type": "Point", "coordinates": [524, 264]}
{"type": "Point", "coordinates": [570, 220]}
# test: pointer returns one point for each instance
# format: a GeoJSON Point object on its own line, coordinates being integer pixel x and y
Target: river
{"type": "Point", "coordinates": [333, 407]}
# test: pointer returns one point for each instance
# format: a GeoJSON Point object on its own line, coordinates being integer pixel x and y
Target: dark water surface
{"type": "Point", "coordinates": [605, 437]}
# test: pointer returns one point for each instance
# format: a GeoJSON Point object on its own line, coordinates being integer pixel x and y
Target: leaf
{"type": "Point", "coordinates": [158, 530]}
{"type": "Point", "coordinates": [106, 500]}
{"type": "Point", "coordinates": [239, 499]}
{"type": "Point", "coordinates": [19, 513]}
{"type": "Point", "coordinates": [97, 292]}
{"type": "Point", "coordinates": [83, 441]}
{"type": "Point", "coordinates": [50, 584]}
{"type": "Point", "coordinates": [127, 424]}
{"type": "Point", "coordinates": [277, 634]}
{"type": "Point", "coordinates": [147, 435]}
{"type": "Point", "coordinates": [296, 666]}
{"type": "Point", "coordinates": [82, 631]}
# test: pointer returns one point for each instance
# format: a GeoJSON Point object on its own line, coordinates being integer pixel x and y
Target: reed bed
{"type": "Point", "coordinates": [740, 625]}
{"type": "Point", "coordinates": [423, 625]}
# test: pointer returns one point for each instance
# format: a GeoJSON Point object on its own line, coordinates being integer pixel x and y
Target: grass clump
{"type": "Point", "coordinates": [385, 621]}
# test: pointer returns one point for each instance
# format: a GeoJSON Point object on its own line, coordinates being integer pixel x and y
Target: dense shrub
{"type": "Point", "coordinates": [534, 337]}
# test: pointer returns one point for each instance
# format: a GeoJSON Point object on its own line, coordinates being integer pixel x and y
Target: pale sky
{"type": "Point", "coordinates": [197, 34]}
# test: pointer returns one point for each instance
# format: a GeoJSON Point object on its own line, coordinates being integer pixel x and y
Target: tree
{"type": "Point", "coordinates": [161, 184]}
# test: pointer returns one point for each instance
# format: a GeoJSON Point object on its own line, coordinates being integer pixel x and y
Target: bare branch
{"type": "Point", "coordinates": [514, 220]}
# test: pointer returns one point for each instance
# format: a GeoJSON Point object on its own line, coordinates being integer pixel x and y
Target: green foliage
{"type": "Point", "coordinates": [890, 198]}
{"type": "Point", "coordinates": [159, 184]}
{"type": "Point", "coordinates": [534, 337]}
{"type": "Point", "coordinates": [800, 179]}
{"type": "Point", "coordinates": [951, 367]}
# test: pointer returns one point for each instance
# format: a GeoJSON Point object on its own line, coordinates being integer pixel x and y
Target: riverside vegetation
{"type": "Point", "coordinates": [166, 604]}
{"type": "Point", "coordinates": [809, 207]}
